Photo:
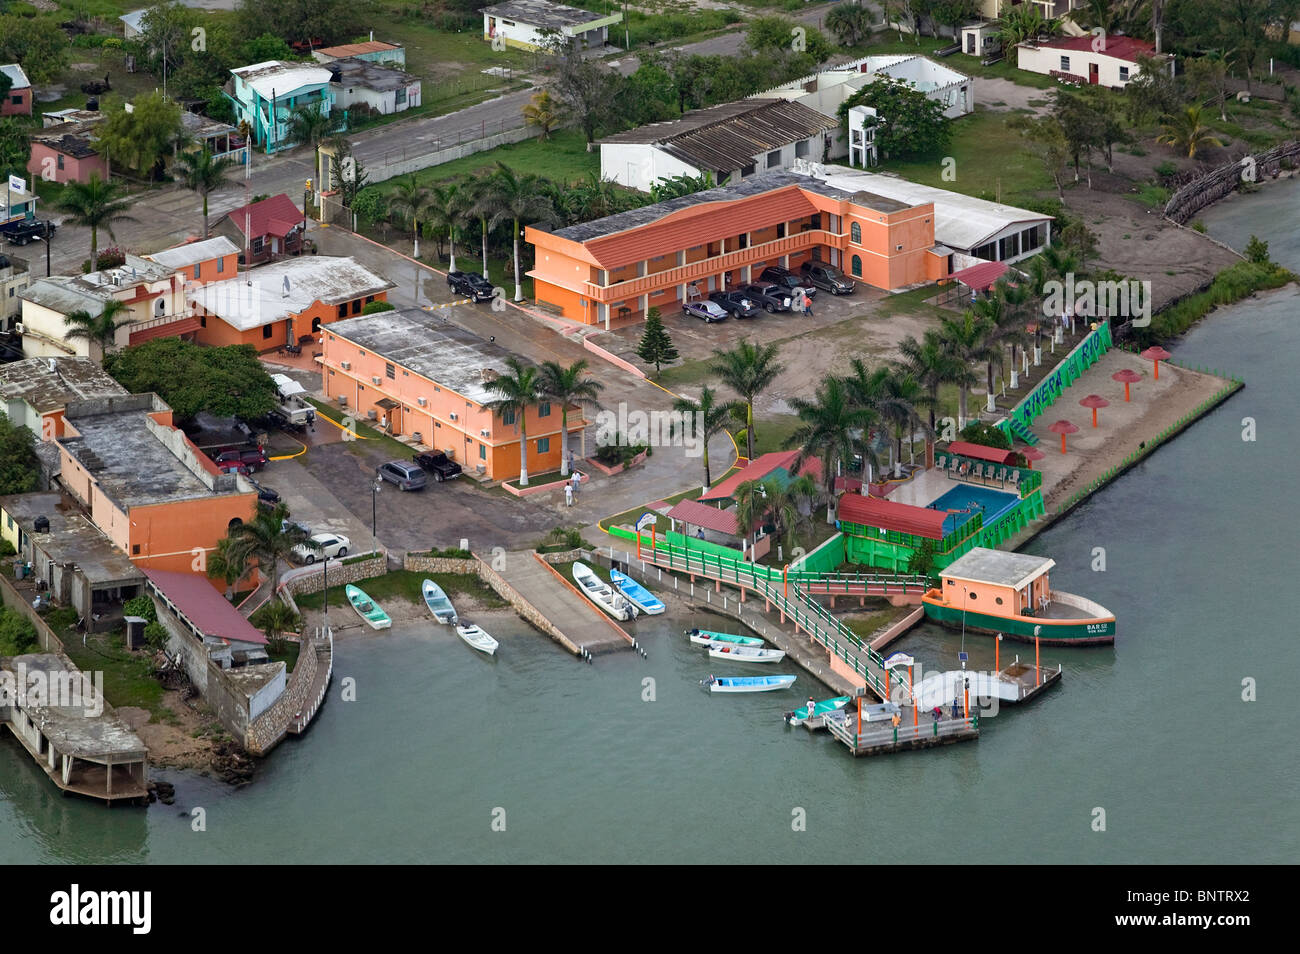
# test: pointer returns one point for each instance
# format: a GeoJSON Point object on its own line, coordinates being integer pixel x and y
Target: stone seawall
{"type": "Point", "coordinates": [270, 727]}
{"type": "Point", "coordinates": [296, 582]}
{"type": "Point", "coordinates": [423, 563]}
{"type": "Point", "coordinates": [525, 609]}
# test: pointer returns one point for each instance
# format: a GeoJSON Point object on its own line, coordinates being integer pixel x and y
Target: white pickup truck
{"type": "Point", "coordinates": [293, 407]}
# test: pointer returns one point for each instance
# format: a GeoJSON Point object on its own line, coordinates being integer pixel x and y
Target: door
{"type": "Point", "coordinates": [1093, 76]}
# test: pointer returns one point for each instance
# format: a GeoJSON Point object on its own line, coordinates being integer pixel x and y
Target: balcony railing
{"type": "Point", "coordinates": [693, 271]}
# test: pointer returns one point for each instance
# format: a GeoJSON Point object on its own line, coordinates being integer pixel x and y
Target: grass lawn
{"type": "Point", "coordinates": [550, 477]}
{"type": "Point", "coordinates": [874, 617]}
{"type": "Point", "coordinates": [364, 432]}
{"type": "Point", "coordinates": [437, 54]}
{"type": "Point", "coordinates": [991, 161]}
{"type": "Point", "coordinates": [128, 676]}
{"type": "Point", "coordinates": [405, 585]}
{"type": "Point", "coordinates": [288, 655]}
{"type": "Point", "coordinates": [563, 158]}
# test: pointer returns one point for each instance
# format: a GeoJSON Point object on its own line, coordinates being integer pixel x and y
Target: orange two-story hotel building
{"type": "Point", "coordinates": [142, 482]}
{"type": "Point", "coordinates": [419, 376]}
{"type": "Point", "coordinates": [658, 256]}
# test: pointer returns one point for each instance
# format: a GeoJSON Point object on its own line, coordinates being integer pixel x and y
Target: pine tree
{"type": "Point", "coordinates": [655, 347]}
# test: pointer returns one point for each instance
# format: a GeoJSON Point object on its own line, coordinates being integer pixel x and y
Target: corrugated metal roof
{"type": "Point", "coordinates": [276, 216]}
{"type": "Point", "coordinates": [200, 603]}
{"type": "Point", "coordinates": [729, 136]}
{"type": "Point", "coordinates": [777, 462]}
{"type": "Point", "coordinates": [702, 515]}
{"type": "Point", "coordinates": [904, 518]}
{"type": "Point", "coordinates": [357, 49]}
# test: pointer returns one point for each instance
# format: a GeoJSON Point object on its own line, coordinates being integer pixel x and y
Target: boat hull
{"type": "Point", "coordinates": [1061, 632]}
{"type": "Point", "coordinates": [636, 594]}
{"type": "Point", "coordinates": [705, 637]}
{"type": "Point", "coordinates": [739, 654]}
{"type": "Point", "coordinates": [479, 640]}
{"type": "Point", "coordinates": [376, 618]}
{"type": "Point", "coordinates": [602, 595]}
{"type": "Point", "coordinates": [747, 684]}
{"type": "Point", "coordinates": [439, 605]}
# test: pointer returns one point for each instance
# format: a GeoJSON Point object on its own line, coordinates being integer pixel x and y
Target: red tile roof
{"type": "Point", "coordinates": [1120, 47]}
{"type": "Point", "coordinates": [689, 227]}
{"type": "Point", "coordinates": [904, 518]}
{"type": "Point", "coordinates": [980, 277]}
{"type": "Point", "coordinates": [200, 603]}
{"type": "Point", "coordinates": [357, 49]}
{"type": "Point", "coordinates": [981, 452]}
{"type": "Point", "coordinates": [759, 469]}
{"type": "Point", "coordinates": [274, 216]}
{"type": "Point", "coordinates": [702, 515]}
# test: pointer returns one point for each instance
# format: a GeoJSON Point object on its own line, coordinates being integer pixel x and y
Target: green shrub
{"type": "Point", "coordinates": [1257, 251]}
{"type": "Point", "coordinates": [1232, 284]}
{"type": "Point", "coordinates": [377, 306]}
{"type": "Point", "coordinates": [7, 549]}
{"type": "Point", "coordinates": [977, 432]}
{"type": "Point", "coordinates": [1166, 169]}
{"type": "Point", "coordinates": [17, 633]}
{"type": "Point", "coordinates": [141, 606]}
{"type": "Point", "coordinates": [451, 553]}
{"type": "Point", "coordinates": [62, 618]}
{"type": "Point", "coordinates": [155, 634]}
{"type": "Point", "coordinates": [1198, 226]}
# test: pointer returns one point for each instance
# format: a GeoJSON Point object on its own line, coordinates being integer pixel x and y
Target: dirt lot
{"type": "Point", "coordinates": [171, 745]}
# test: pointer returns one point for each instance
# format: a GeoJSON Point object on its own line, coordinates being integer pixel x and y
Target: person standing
{"type": "Point", "coordinates": [568, 495]}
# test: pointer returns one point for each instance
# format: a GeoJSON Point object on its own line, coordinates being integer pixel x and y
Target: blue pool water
{"type": "Point", "coordinates": [968, 496]}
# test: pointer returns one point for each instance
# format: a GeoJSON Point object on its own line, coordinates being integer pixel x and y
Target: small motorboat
{"type": "Point", "coordinates": [748, 683]}
{"type": "Point", "coordinates": [705, 637]}
{"type": "Point", "coordinates": [602, 594]}
{"type": "Point", "coordinates": [814, 719]}
{"type": "Point", "coordinates": [636, 594]}
{"type": "Point", "coordinates": [438, 604]}
{"type": "Point", "coordinates": [477, 638]}
{"type": "Point", "coordinates": [752, 654]}
{"type": "Point", "coordinates": [367, 608]}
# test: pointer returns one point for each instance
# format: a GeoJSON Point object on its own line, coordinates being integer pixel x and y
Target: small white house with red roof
{"type": "Point", "coordinates": [1108, 60]}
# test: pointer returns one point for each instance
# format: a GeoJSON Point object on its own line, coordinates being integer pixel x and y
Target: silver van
{"type": "Point", "coordinates": [405, 474]}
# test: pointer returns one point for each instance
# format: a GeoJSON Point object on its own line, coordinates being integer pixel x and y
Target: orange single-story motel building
{"type": "Point", "coordinates": [618, 267]}
{"type": "Point", "coordinates": [416, 375]}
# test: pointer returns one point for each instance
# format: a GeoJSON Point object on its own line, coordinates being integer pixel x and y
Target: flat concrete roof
{"type": "Point", "coordinates": [68, 293]}
{"type": "Point", "coordinates": [541, 13]}
{"type": "Point", "coordinates": [69, 728]}
{"type": "Point", "coordinates": [48, 384]}
{"type": "Point", "coordinates": [250, 679]}
{"type": "Point", "coordinates": [379, 77]}
{"type": "Point", "coordinates": [72, 537]}
{"type": "Point", "coordinates": [289, 287]}
{"type": "Point", "coordinates": [192, 253]}
{"type": "Point", "coordinates": [281, 78]}
{"type": "Point", "coordinates": [999, 567]}
{"type": "Point", "coordinates": [425, 344]}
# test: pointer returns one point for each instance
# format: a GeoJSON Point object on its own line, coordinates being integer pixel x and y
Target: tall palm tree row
{"type": "Point", "coordinates": [567, 386]}
{"type": "Point", "coordinates": [518, 197]}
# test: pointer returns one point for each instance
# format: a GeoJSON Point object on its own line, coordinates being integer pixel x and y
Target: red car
{"type": "Point", "coordinates": [244, 461]}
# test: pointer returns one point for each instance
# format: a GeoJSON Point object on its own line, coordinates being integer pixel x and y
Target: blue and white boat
{"type": "Point", "coordinates": [748, 683]}
{"type": "Point", "coordinates": [636, 594]}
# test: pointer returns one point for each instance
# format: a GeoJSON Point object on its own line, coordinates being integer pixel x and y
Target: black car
{"type": "Point", "coordinates": [266, 497]}
{"type": "Point", "coordinates": [439, 464]}
{"type": "Point", "coordinates": [768, 296]}
{"type": "Point", "coordinates": [471, 285]}
{"type": "Point", "coordinates": [787, 280]}
{"type": "Point", "coordinates": [736, 303]}
{"type": "Point", "coordinates": [27, 231]}
{"type": "Point", "coordinates": [829, 277]}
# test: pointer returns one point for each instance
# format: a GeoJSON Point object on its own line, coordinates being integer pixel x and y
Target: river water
{"type": "Point", "coordinates": [581, 766]}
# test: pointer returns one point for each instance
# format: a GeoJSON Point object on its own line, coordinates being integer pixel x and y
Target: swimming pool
{"type": "Point", "coordinates": [992, 503]}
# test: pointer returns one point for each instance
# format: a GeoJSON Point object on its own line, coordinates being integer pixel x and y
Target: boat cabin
{"type": "Point", "coordinates": [998, 583]}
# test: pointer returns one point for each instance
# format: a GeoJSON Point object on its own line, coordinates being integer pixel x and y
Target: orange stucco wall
{"type": "Point", "coordinates": [983, 597]}
{"type": "Point", "coordinates": [462, 438]}
{"type": "Point", "coordinates": [180, 535]}
{"type": "Point", "coordinates": [218, 333]}
{"type": "Point", "coordinates": [45, 161]}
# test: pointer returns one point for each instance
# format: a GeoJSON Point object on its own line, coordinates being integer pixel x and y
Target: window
{"type": "Point", "coordinates": [356, 307]}
{"type": "Point", "coordinates": [196, 271]}
{"type": "Point", "coordinates": [257, 245]}
{"type": "Point", "coordinates": [508, 417]}
{"type": "Point", "coordinates": [998, 600]}
{"type": "Point", "coordinates": [60, 160]}
{"type": "Point", "coordinates": [855, 233]}
{"type": "Point", "coordinates": [1123, 74]}
{"type": "Point", "coordinates": [16, 100]}
{"type": "Point", "coordinates": [343, 311]}
{"type": "Point", "coordinates": [747, 171]}
{"type": "Point", "coordinates": [544, 409]}
{"type": "Point", "coordinates": [369, 299]}
{"type": "Point", "coordinates": [266, 331]}
{"type": "Point", "coordinates": [801, 149]}
{"type": "Point", "coordinates": [482, 452]}
{"type": "Point", "coordinates": [221, 265]}
{"type": "Point", "coordinates": [774, 158]}
{"type": "Point", "coordinates": [135, 549]}
{"type": "Point", "coordinates": [391, 371]}
{"type": "Point", "coordinates": [399, 97]}
{"type": "Point", "coordinates": [857, 265]}
{"type": "Point", "coordinates": [1065, 63]}
{"type": "Point", "coordinates": [203, 321]}
{"type": "Point", "coordinates": [543, 445]}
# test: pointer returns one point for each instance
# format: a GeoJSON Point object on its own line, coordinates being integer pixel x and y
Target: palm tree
{"type": "Point", "coordinates": [901, 395]}
{"type": "Point", "coordinates": [518, 197]}
{"type": "Point", "coordinates": [933, 366]}
{"type": "Point", "coordinates": [448, 209]}
{"type": "Point", "coordinates": [567, 386]}
{"type": "Point", "coordinates": [543, 112]}
{"type": "Point", "coordinates": [277, 618]}
{"type": "Point", "coordinates": [310, 126]}
{"type": "Point", "coordinates": [95, 203]}
{"type": "Point", "coordinates": [1186, 131]}
{"type": "Point", "coordinates": [263, 541]}
{"type": "Point", "coordinates": [780, 502]}
{"type": "Point", "coordinates": [967, 339]}
{"type": "Point", "coordinates": [707, 418]}
{"type": "Point", "coordinates": [481, 207]}
{"type": "Point", "coordinates": [203, 174]}
{"type": "Point", "coordinates": [829, 422]}
{"type": "Point", "coordinates": [1024, 23]}
{"type": "Point", "coordinates": [1054, 263]}
{"type": "Point", "coordinates": [749, 370]}
{"type": "Point", "coordinates": [1017, 299]}
{"type": "Point", "coordinates": [98, 329]}
{"type": "Point", "coordinates": [409, 202]}
{"type": "Point", "coordinates": [519, 390]}
{"type": "Point", "coordinates": [867, 389]}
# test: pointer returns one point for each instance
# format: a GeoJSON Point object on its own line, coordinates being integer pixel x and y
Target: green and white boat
{"type": "Point", "coordinates": [819, 709]}
{"type": "Point", "coordinates": [367, 608]}
{"type": "Point", "coordinates": [707, 637]}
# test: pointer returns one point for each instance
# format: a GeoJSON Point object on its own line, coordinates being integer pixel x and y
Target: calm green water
{"type": "Point", "coordinates": [1200, 571]}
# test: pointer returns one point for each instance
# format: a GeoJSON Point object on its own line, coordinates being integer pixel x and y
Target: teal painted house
{"type": "Point", "coordinates": [265, 94]}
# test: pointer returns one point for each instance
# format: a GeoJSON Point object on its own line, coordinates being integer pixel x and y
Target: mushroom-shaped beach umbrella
{"type": "Point", "coordinates": [1094, 401]}
{"type": "Point", "coordinates": [1063, 428]}
{"type": "Point", "coordinates": [1156, 354]}
{"type": "Point", "coordinates": [1128, 376]}
{"type": "Point", "coordinates": [1031, 454]}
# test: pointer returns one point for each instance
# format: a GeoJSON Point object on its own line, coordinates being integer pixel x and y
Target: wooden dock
{"type": "Point", "coordinates": [885, 738]}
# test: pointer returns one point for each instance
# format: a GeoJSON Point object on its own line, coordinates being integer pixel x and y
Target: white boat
{"type": "Point", "coordinates": [438, 604]}
{"type": "Point", "coordinates": [477, 638]}
{"type": "Point", "coordinates": [751, 654]}
{"type": "Point", "coordinates": [601, 593]}
{"type": "Point", "coordinates": [636, 594]}
{"type": "Point", "coordinates": [748, 683]}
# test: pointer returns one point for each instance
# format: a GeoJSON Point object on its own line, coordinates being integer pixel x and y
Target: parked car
{"type": "Point", "coordinates": [439, 464]}
{"type": "Point", "coordinates": [254, 458]}
{"type": "Point", "coordinates": [707, 310]}
{"type": "Point", "coordinates": [471, 285]}
{"type": "Point", "coordinates": [786, 280]}
{"type": "Point", "coordinates": [736, 303]}
{"type": "Point", "coordinates": [323, 546]}
{"type": "Point", "coordinates": [27, 231]}
{"type": "Point", "coordinates": [286, 524]}
{"type": "Point", "coordinates": [406, 475]}
{"type": "Point", "coordinates": [279, 419]}
{"type": "Point", "coordinates": [829, 277]}
{"type": "Point", "coordinates": [769, 297]}
{"type": "Point", "coordinates": [266, 497]}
